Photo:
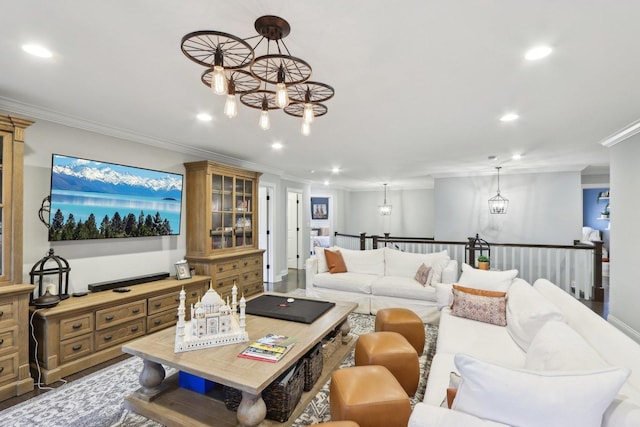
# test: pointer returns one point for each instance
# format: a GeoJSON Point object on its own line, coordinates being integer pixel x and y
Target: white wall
{"type": "Point", "coordinates": [95, 260]}
{"type": "Point", "coordinates": [624, 292]}
{"type": "Point", "coordinates": [544, 208]}
{"type": "Point", "coordinates": [412, 213]}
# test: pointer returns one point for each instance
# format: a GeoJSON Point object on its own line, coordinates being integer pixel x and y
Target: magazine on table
{"type": "Point", "coordinates": [270, 348]}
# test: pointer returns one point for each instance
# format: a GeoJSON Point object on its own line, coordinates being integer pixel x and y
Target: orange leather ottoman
{"type": "Point", "coordinates": [393, 351]}
{"type": "Point", "coordinates": [403, 321]}
{"type": "Point", "coordinates": [369, 395]}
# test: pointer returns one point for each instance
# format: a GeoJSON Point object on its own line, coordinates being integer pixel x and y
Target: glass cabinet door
{"type": "Point", "coordinates": [3, 209]}
{"type": "Point", "coordinates": [221, 211]}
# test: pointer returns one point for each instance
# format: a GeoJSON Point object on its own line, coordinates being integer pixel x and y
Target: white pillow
{"type": "Point", "coordinates": [557, 347]}
{"type": "Point", "coordinates": [323, 267]}
{"type": "Point", "coordinates": [488, 280]}
{"type": "Point", "coordinates": [527, 311]}
{"type": "Point", "coordinates": [526, 398]}
{"type": "Point", "coordinates": [405, 264]}
{"type": "Point", "coordinates": [370, 261]}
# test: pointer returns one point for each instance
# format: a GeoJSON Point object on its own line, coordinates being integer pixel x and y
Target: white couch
{"type": "Point", "coordinates": [555, 362]}
{"type": "Point", "coordinates": [381, 278]}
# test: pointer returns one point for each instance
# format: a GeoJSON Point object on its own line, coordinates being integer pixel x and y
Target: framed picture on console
{"type": "Point", "coordinates": [319, 208]}
{"type": "Point", "coordinates": [182, 270]}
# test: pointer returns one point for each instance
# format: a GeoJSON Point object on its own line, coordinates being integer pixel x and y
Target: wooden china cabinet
{"type": "Point", "coordinates": [222, 226]}
{"type": "Point", "coordinates": [15, 378]}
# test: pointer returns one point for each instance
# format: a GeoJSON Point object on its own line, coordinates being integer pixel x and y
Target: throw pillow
{"type": "Point", "coordinates": [335, 261]}
{"type": "Point", "coordinates": [486, 279]}
{"type": "Point", "coordinates": [481, 292]}
{"type": "Point", "coordinates": [558, 347]}
{"type": "Point", "coordinates": [487, 309]}
{"type": "Point", "coordinates": [527, 311]}
{"type": "Point", "coordinates": [519, 398]}
{"type": "Point", "coordinates": [454, 382]}
{"type": "Point", "coordinates": [424, 274]}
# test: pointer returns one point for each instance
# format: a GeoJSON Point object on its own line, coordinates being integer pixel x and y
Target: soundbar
{"type": "Point", "coordinates": [105, 286]}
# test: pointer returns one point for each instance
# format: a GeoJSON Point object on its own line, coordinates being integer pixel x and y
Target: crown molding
{"type": "Point", "coordinates": [32, 111]}
{"type": "Point", "coordinates": [624, 133]}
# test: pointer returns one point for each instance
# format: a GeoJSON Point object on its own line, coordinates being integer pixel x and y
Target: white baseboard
{"type": "Point", "coordinates": [628, 330]}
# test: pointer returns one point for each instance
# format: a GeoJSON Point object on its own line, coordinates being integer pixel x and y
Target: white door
{"type": "Point", "coordinates": [265, 231]}
{"type": "Point", "coordinates": [294, 214]}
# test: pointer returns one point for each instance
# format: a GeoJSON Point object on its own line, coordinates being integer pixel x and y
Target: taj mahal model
{"type": "Point", "coordinates": [213, 322]}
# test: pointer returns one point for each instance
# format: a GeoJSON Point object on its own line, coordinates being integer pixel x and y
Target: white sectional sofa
{"type": "Point", "coordinates": [555, 363]}
{"type": "Point", "coordinates": [381, 278]}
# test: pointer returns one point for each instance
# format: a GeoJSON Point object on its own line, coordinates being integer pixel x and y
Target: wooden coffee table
{"type": "Point", "coordinates": [162, 400]}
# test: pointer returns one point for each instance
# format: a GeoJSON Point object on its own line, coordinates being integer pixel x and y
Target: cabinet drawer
{"type": "Point", "coordinates": [221, 284]}
{"type": "Point", "coordinates": [8, 367]}
{"type": "Point", "coordinates": [9, 340]}
{"type": "Point", "coordinates": [224, 268]}
{"type": "Point", "coordinates": [119, 334]}
{"type": "Point", "coordinates": [252, 289]}
{"type": "Point", "coordinates": [249, 262]}
{"type": "Point", "coordinates": [7, 309]}
{"type": "Point", "coordinates": [75, 326]}
{"type": "Point", "coordinates": [161, 320]}
{"type": "Point", "coordinates": [251, 276]}
{"type": "Point", "coordinates": [164, 302]}
{"type": "Point", "coordinates": [116, 315]}
{"type": "Point", "coordinates": [75, 348]}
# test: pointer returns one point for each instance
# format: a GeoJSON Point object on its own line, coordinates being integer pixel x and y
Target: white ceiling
{"type": "Point", "coordinates": [420, 85]}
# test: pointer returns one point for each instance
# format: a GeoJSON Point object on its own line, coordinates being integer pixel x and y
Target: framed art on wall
{"type": "Point", "coordinates": [319, 208]}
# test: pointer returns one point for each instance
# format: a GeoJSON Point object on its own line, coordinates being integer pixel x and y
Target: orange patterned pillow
{"type": "Point", "coordinates": [481, 292]}
{"type": "Point", "coordinates": [335, 261]}
{"type": "Point", "coordinates": [477, 305]}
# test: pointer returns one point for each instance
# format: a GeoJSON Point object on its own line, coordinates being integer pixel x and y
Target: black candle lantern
{"type": "Point", "coordinates": [476, 247]}
{"type": "Point", "coordinates": [58, 267]}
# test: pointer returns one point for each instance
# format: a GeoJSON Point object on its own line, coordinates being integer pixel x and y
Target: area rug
{"type": "Point", "coordinates": [97, 400]}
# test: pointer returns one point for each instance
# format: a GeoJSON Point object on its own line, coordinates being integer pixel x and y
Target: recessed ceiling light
{"type": "Point", "coordinates": [335, 169]}
{"type": "Point", "coordinates": [204, 117]}
{"type": "Point", "coordinates": [509, 117]}
{"type": "Point", "coordinates": [37, 50]}
{"type": "Point", "coordinates": [277, 146]}
{"type": "Point", "coordinates": [326, 182]}
{"type": "Point", "coordinates": [516, 156]}
{"type": "Point", "coordinates": [537, 52]}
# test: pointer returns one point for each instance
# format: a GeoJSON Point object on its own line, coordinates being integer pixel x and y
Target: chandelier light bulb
{"type": "Point", "coordinates": [231, 107]}
{"type": "Point", "coordinates": [264, 122]}
{"type": "Point", "coordinates": [307, 114]}
{"type": "Point", "coordinates": [306, 128]}
{"type": "Point", "coordinates": [219, 81]}
{"type": "Point", "coordinates": [282, 95]}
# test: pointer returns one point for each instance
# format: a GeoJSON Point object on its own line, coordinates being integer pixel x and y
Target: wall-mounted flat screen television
{"type": "Point", "coordinates": [98, 200]}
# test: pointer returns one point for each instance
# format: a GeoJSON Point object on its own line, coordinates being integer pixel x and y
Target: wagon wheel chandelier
{"type": "Point", "coordinates": [274, 80]}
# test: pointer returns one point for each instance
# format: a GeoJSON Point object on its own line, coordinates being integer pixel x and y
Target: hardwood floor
{"type": "Point", "coordinates": [294, 280]}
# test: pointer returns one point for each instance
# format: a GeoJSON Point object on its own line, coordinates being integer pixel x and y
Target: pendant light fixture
{"type": "Point", "coordinates": [498, 204]}
{"type": "Point", "coordinates": [385, 208]}
{"type": "Point", "coordinates": [284, 78]}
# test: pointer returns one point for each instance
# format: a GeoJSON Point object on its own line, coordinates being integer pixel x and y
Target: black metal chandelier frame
{"type": "Point", "coordinates": [277, 67]}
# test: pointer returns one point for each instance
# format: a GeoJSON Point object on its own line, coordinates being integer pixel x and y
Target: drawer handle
{"type": "Point", "coordinates": [1, 313]}
{"type": "Point", "coordinates": [157, 322]}
{"type": "Point", "coordinates": [158, 304]}
{"type": "Point", "coordinates": [108, 318]}
{"type": "Point", "coordinates": [77, 347]}
{"type": "Point", "coordinates": [1, 369]}
{"type": "Point", "coordinates": [177, 299]}
{"type": "Point", "coordinates": [107, 337]}
{"type": "Point", "coordinates": [134, 329]}
{"type": "Point", "coordinates": [194, 294]}
{"type": "Point", "coordinates": [135, 311]}
{"type": "Point", "coordinates": [1, 341]}
{"type": "Point", "coordinates": [235, 266]}
{"type": "Point", "coordinates": [77, 325]}
{"type": "Point", "coordinates": [246, 263]}
{"type": "Point", "coordinates": [220, 284]}
{"type": "Point", "coordinates": [219, 268]}
{"type": "Point", "coordinates": [257, 273]}
{"type": "Point", "coordinates": [246, 276]}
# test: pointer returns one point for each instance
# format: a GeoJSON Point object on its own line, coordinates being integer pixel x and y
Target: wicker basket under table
{"type": "Point", "coordinates": [313, 366]}
{"type": "Point", "coordinates": [280, 397]}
